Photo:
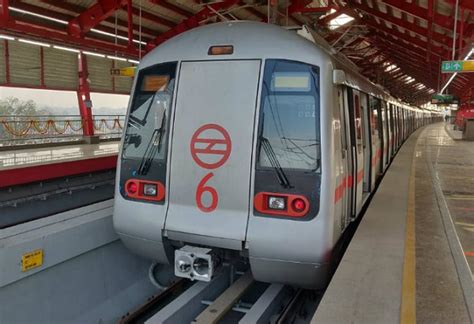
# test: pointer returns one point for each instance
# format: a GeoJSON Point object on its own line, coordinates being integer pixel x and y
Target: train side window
{"type": "Point", "coordinates": [358, 119]}
{"type": "Point", "coordinates": [340, 96]}
{"type": "Point", "coordinates": [374, 117]}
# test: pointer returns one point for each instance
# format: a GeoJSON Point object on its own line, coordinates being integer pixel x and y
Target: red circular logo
{"type": "Point", "coordinates": [210, 146]}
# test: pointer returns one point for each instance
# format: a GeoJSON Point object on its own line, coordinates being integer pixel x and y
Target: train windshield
{"type": "Point", "coordinates": [289, 117]}
{"type": "Point", "coordinates": [147, 129]}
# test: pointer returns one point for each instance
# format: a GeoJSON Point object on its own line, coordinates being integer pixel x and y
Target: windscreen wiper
{"type": "Point", "coordinates": [267, 147]}
{"type": "Point", "coordinates": [154, 146]}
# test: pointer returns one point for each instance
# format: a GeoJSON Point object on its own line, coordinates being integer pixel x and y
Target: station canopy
{"type": "Point", "coordinates": [399, 44]}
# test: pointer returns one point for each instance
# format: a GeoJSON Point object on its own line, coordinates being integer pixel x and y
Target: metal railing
{"type": "Point", "coordinates": [25, 130]}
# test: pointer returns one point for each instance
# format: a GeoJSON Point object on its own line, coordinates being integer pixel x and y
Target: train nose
{"type": "Point", "coordinates": [211, 153]}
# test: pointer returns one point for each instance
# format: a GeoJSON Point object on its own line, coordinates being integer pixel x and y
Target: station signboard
{"type": "Point", "coordinates": [440, 99]}
{"type": "Point", "coordinates": [125, 71]}
{"type": "Point", "coordinates": [457, 66]}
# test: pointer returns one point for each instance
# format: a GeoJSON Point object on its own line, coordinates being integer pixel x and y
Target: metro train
{"type": "Point", "coordinates": [248, 141]}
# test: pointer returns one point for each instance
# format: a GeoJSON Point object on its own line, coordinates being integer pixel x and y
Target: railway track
{"type": "Point", "coordinates": [230, 297]}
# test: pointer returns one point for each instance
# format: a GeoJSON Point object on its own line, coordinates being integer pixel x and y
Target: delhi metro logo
{"type": "Point", "coordinates": [210, 148]}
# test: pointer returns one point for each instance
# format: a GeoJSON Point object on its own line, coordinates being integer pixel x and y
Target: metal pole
{"type": "Point", "coordinates": [455, 27]}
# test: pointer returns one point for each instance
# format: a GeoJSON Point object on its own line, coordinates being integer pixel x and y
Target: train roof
{"type": "Point", "coordinates": [251, 40]}
{"type": "Point", "coordinates": [256, 40]}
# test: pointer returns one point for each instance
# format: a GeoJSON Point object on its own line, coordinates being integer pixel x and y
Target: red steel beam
{"type": "Point", "coordinates": [461, 35]}
{"type": "Point", "coordinates": [413, 58]}
{"type": "Point", "coordinates": [413, 9]}
{"type": "Point", "coordinates": [67, 17]}
{"type": "Point", "coordinates": [130, 23]}
{"type": "Point", "coordinates": [172, 7]}
{"type": "Point", "coordinates": [145, 15]}
{"type": "Point", "coordinates": [414, 69]}
{"type": "Point", "coordinates": [7, 61]}
{"type": "Point", "coordinates": [4, 11]}
{"type": "Point", "coordinates": [389, 41]}
{"type": "Point", "coordinates": [153, 18]}
{"type": "Point", "coordinates": [191, 22]}
{"type": "Point", "coordinates": [75, 9]}
{"type": "Point", "coordinates": [468, 4]}
{"type": "Point", "coordinates": [404, 36]}
{"type": "Point", "coordinates": [21, 28]}
{"type": "Point", "coordinates": [431, 34]}
{"type": "Point", "coordinates": [297, 6]}
{"type": "Point", "coordinates": [255, 12]}
{"type": "Point", "coordinates": [413, 27]}
{"type": "Point", "coordinates": [42, 83]}
{"type": "Point", "coordinates": [328, 18]}
{"type": "Point", "coordinates": [93, 16]}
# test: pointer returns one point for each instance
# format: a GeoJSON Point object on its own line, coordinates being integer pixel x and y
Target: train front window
{"type": "Point", "coordinates": [147, 129]}
{"type": "Point", "coordinates": [289, 117]}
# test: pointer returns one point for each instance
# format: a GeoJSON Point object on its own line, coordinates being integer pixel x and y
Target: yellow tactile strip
{"type": "Point", "coordinates": [408, 305]}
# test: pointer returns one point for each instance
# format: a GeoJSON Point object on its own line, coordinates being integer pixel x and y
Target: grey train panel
{"type": "Point", "coordinates": [223, 101]}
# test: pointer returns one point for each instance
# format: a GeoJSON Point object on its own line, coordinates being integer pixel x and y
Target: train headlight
{"type": "Point", "coordinates": [278, 203]}
{"type": "Point", "coordinates": [150, 189]}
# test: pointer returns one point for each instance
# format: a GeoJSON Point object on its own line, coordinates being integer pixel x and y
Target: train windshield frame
{"type": "Point", "coordinates": [146, 134]}
{"type": "Point", "coordinates": [289, 117]}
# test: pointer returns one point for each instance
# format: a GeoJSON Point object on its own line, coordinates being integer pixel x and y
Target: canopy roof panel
{"type": "Point", "coordinates": [399, 44]}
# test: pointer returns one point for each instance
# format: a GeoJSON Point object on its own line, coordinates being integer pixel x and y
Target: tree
{"type": "Point", "coordinates": [12, 106]}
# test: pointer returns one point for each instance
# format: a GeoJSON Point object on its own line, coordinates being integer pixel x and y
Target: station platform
{"type": "Point", "coordinates": [36, 164]}
{"type": "Point", "coordinates": [412, 256]}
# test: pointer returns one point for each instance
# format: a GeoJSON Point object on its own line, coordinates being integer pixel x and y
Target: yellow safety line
{"type": "Point", "coordinates": [408, 306]}
{"type": "Point", "coordinates": [460, 197]}
{"type": "Point", "coordinates": [465, 224]}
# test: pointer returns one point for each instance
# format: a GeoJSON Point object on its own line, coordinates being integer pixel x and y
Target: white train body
{"type": "Point", "coordinates": [248, 139]}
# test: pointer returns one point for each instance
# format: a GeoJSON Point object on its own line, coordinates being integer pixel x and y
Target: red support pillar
{"type": "Point", "coordinates": [461, 34]}
{"type": "Point", "coordinates": [4, 15]}
{"type": "Point", "coordinates": [84, 98]}
{"type": "Point", "coordinates": [7, 61]}
{"type": "Point", "coordinates": [42, 67]}
{"type": "Point", "coordinates": [130, 23]}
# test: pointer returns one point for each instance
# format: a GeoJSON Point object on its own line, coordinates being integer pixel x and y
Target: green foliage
{"type": "Point", "coordinates": [16, 107]}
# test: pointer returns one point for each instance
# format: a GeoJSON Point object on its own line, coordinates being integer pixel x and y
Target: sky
{"type": "Point", "coordinates": [63, 99]}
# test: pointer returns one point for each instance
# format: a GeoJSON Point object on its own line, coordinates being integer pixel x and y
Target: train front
{"type": "Point", "coordinates": [221, 158]}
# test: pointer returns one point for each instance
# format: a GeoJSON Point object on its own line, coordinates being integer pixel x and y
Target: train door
{"type": "Point", "coordinates": [386, 134]}
{"type": "Point", "coordinates": [357, 150]}
{"type": "Point", "coordinates": [343, 193]}
{"type": "Point", "coordinates": [377, 139]}
{"type": "Point", "coordinates": [392, 131]}
{"type": "Point", "coordinates": [211, 152]}
{"type": "Point", "coordinates": [401, 122]}
{"type": "Point", "coordinates": [367, 142]}
{"type": "Point", "coordinates": [389, 132]}
{"type": "Point", "coordinates": [378, 113]}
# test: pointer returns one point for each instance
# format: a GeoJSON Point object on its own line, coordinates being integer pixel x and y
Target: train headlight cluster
{"type": "Point", "coordinates": [277, 203]}
{"type": "Point", "coordinates": [281, 204]}
{"type": "Point", "coordinates": [145, 190]}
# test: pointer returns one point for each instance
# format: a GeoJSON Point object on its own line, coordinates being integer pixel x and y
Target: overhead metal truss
{"type": "Point", "coordinates": [415, 36]}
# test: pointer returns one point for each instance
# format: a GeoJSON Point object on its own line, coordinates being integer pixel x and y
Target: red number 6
{"type": "Point", "coordinates": [201, 189]}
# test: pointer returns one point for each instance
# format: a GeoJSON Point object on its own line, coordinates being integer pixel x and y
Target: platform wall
{"type": "Point", "coordinates": [87, 275]}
